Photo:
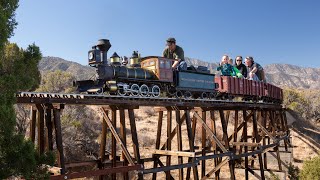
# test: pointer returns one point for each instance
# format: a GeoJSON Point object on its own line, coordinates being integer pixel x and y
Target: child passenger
{"type": "Point", "coordinates": [228, 69]}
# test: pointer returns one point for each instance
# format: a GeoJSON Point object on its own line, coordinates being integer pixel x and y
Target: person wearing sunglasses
{"type": "Point", "coordinates": [173, 51]}
{"type": "Point", "coordinates": [227, 69]}
{"type": "Point", "coordinates": [240, 66]}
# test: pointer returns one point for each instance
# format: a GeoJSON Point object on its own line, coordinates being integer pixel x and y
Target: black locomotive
{"type": "Point", "coordinates": [150, 76]}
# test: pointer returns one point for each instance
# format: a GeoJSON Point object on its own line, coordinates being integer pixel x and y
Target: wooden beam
{"type": "Point", "coordinates": [203, 143]}
{"type": "Point", "coordinates": [103, 143]}
{"type": "Point", "coordinates": [245, 139]}
{"type": "Point", "coordinates": [41, 141]}
{"type": "Point", "coordinates": [155, 163]}
{"type": "Point", "coordinates": [168, 142]}
{"type": "Point", "coordinates": [255, 127]}
{"type": "Point", "coordinates": [123, 135]}
{"type": "Point", "coordinates": [114, 141]}
{"type": "Point", "coordinates": [191, 145]}
{"type": "Point", "coordinates": [212, 136]}
{"type": "Point", "coordinates": [135, 139]}
{"type": "Point", "coordinates": [49, 128]}
{"type": "Point", "coordinates": [179, 141]}
{"type": "Point", "coordinates": [33, 117]}
{"type": "Point", "coordinates": [57, 126]}
{"type": "Point", "coordinates": [99, 172]}
{"type": "Point", "coordinates": [223, 162]}
{"type": "Point", "coordinates": [115, 134]}
{"type": "Point", "coordinates": [225, 137]}
{"type": "Point", "coordinates": [175, 153]}
{"type": "Point", "coordinates": [245, 144]}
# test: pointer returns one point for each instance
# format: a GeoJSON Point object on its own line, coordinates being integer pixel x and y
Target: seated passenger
{"type": "Point", "coordinates": [173, 51]}
{"type": "Point", "coordinates": [240, 66]}
{"type": "Point", "coordinates": [227, 69]}
{"type": "Point", "coordinates": [255, 70]}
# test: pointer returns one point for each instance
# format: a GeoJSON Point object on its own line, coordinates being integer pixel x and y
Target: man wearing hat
{"type": "Point", "coordinates": [173, 51]}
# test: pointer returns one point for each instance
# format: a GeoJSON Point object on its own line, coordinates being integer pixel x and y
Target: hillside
{"type": "Point", "coordinates": [284, 75]}
{"type": "Point", "coordinates": [50, 63]}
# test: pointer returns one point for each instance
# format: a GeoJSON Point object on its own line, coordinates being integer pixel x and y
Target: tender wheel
{"type": "Point", "coordinates": [155, 91]}
{"type": "Point", "coordinates": [187, 95]}
{"type": "Point", "coordinates": [144, 90]}
{"type": "Point", "coordinates": [204, 95]}
{"type": "Point", "coordinates": [212, 95]}
{"type": "Point", "coordinates": [171, 91]}
{"type": "Point", "coordinates": [179, 94]}
{"type": "Point", "coordinates": [135, 90]}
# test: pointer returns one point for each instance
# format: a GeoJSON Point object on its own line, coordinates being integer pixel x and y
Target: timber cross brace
{"type": "Point", "coordinates": [193, 142]}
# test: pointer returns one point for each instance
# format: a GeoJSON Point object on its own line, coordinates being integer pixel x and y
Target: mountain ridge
{"type": "Point", "coordinates": [283, 75]}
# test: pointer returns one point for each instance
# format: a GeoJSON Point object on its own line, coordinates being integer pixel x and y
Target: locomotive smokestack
{"type": "Point", "coordinates": [104, 45]}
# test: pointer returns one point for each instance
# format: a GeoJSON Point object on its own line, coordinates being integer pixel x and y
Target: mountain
{"type": "Point", "coordinates": [283, 75]}
{"type": "Point", "coordinates": [81, 72]}
{"type": "Point", "coordinates": [293, 76]}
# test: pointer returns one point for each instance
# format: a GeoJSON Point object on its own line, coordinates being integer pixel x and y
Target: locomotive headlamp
{"type": "Point", "coordinates": [90, 56]}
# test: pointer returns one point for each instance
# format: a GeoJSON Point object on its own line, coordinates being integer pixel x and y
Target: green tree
{"type": "Point", "coordinates": [311, 169]}
{"type": "Point", "coordinates": [18, 72]}
{"type": "Point", "coordinates": [7, 20]}
{"type": "Point", "coordinates": [57, 82]}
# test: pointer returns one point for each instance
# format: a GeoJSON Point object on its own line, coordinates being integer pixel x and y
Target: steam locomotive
{"type": "Point", "coordinates": [150, 76]}
{"type": "Point", "coordinates": [153, 76]}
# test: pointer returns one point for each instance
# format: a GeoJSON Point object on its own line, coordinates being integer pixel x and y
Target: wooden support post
{"type": "Point", "coordinates": [33, 117]}
{"type": "Point", "coordinates": [123, 136]}
{"type": "Point", "coordinates": [103, 144]}
{"type": "Point", "coordinates": [255, 127]}
{"type": "Point", "coordinates": [135, 139]}
{"type": "Point", "coordinates": [225, 137]}
{"type": "Point", "coordinates": [114, 142]}
{"type": "Point", "coordinates": [193, 133]}
{"type": "Point", "coordinates": [203, 144]}
{"type": "Point", "coordinates": [41, 140]}
{"type": "Point", "coordinates": [103, 139]}
{"type": "Point", "coordinates": [155, 157]}
{"type": "Point", "coordinates": [57, 126]}
{"type": "Point", "coordinates": [169, 124]}
{"type": "Point", "coordinates": [227, 116]}
{"type": "Point", "coordinates": [49, 128]}
{"type": "Point", "coordinates": [214, 145]}
{"type": "Point", "coordinates": [179, 141]}
{"type": "Point", "coordinates": [191, 145]}
{"type": "Point", "coordinates": [283, 128]}
{"type": "Point", "coordinates": [245, 139]}
{"type": "Point", "coordinates": [264, 124]}
{"type": "Point", "coordinates": [236, 119]}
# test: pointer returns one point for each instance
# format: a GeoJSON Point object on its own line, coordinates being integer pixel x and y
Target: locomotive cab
{"type": "Point", "coordinates": [160, 66]}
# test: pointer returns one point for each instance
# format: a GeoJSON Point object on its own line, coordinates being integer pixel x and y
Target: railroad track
{"type": "Point", "coordinates": [96, 99]}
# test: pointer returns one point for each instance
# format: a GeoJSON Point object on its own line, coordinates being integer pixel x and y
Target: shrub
{"type": "Point", "coordinates": [311, 169]}
{"type": "Point", "coordinates": [293, 172]}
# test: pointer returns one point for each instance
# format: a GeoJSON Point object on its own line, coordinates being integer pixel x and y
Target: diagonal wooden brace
{"type": "Point", "coordinates": [212, 136]}
{"type": "Point", "coordinates": [116, 136]}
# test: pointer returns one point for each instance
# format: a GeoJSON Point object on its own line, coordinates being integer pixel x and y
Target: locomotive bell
{"type": "Point", "coordinates": [115, 59]}
{"type": "Point", "coordinates": [134, 60]}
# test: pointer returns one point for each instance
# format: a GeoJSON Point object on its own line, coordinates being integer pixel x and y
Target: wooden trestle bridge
{"type": "Point", "coordinates": [239, 148]}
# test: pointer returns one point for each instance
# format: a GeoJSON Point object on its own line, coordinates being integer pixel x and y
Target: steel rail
{"type": "Point", "coordinates": [96, 99]}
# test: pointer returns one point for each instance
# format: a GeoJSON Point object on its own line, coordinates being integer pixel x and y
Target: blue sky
{"type": "Point", "coordinates": [272, 31]}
